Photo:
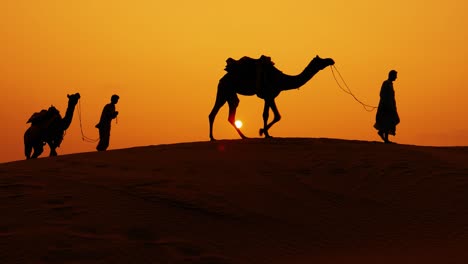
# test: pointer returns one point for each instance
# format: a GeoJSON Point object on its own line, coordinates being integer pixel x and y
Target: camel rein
{"type": "Point", "coordinates": [83, 136]}
{"type": "Point", "coordinates": [368, 108]}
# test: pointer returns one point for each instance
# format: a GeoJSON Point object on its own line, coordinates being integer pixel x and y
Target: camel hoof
{"type": "Point", "coordinates": [263, 131]}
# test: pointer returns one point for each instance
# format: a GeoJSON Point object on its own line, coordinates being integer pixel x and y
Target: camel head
{"type": "Point", "coordinates": [323, 63]}
{"type": "Point", "coordinates": [73, 99]}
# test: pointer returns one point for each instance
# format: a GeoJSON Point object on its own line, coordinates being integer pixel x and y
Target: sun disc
{"type": "Point", "coordinates": [238, 123]}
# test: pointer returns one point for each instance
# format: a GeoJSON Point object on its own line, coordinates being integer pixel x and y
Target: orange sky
{"type": "Point", "coordinates": [165, 60]}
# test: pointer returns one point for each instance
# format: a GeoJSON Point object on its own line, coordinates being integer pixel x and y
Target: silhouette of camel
{"type": "Point", "coordinates": [242, 77]}
{"type": "Point", "coordinates": [48, 127]}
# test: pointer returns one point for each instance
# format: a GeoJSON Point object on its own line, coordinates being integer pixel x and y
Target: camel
{"type": "Point", "coordinates": [48, 127]}
{"type": "Point", "coordinates": [259, 77]}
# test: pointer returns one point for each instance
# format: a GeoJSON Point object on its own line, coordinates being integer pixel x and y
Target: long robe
{"type": "Point", "coordinates": [387, 117]}
{"type": "Point", "coordinates": [104, 126]}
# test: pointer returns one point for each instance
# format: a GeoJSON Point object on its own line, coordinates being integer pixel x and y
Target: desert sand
{"type": "Point", "coordinates": [283, 200]}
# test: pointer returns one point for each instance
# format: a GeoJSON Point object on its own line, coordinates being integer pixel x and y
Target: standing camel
{"type": "Point", "coordinates": [48, 127]}
{"type": "Point", "coordinates": [259, 77]}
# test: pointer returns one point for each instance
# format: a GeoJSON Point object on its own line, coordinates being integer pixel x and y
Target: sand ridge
{"type": "Point", "coordinates": [284, 200]}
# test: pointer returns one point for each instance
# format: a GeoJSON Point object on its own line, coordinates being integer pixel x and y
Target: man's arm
{"type": "Point", "coordinates": [109, 112]}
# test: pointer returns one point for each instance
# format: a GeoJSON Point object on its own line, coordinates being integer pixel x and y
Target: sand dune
{"type": "Point", "coordinates": [284, 200]}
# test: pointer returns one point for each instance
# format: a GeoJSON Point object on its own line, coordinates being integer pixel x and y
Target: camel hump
{"type": "Point", "coordinates": [37, 116]}
{"type": "Point", "coordinates": [247, 63]}
{"type": "Point", "coordinates": [43, 116]}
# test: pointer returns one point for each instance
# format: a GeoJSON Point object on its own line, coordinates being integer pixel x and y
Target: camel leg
{"type": "Point", "coordinates": [52, 147]}
{"type": "Point", "coordinates": [53, 153]}
{"type": "Point", "coordinates": [28, 147]}
{"type": "Point", "coordinates": [27, 150]}
{"type": "Point", "coordinates": [233, 103]}
{"type": "Point", "coordinates": [277, 117]}
{"type": "Point", "coordinates": [266, 113]}
{"type": "Point", "coordinates": [220, 101]}
{"type": "Point", "coordinates": [38, 149]}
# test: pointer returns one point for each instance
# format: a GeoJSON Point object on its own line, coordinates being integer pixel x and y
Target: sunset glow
{"type": "Point", "coordinates": [238, 123]}
{"type": "Point", "coordinates": [164, 60]}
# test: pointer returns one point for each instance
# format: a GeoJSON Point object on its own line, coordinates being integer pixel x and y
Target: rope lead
{"type": "Point", "coordinates": [368, 108]}
{"type": "Point", "coordinates": [83, 137]}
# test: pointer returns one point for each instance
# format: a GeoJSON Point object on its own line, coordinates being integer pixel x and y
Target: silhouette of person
{"type": "Point", "coordinates": [104, 125]}
{"type": "Point", "coordinates": [387, 117]}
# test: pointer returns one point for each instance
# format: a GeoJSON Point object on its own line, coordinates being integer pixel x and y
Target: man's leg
{"type": "Point", "coordinates": [386, 138]}
{"type": "Point", "coordinates": [104, 135]}
{"type": "Point", "coordinates": [381, 134]}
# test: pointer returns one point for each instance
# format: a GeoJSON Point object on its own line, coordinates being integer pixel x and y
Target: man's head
{"type": "Point", "coordinates": [392, 75]}
{"type": "Point", "coordinates": [114, 99]}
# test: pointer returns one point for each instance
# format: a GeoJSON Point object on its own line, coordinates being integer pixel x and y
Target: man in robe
{"type": "Point", "coordinates": [387, 117]}
{"type": "Point", "coordinates": [104, 125]}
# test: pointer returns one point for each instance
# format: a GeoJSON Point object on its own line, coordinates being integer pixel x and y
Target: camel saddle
{"type": "Point", "coordinates": [44, 116]}
{"type": "Point", "coordinates": [258, 69]}
{"type": "Point", "coordinates": [247, 64]}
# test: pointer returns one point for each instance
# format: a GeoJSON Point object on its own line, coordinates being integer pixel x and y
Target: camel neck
{"type": "Point", "coordinates": [67, 119]}
{"type": "Point", "coordinates": [295, 81]}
